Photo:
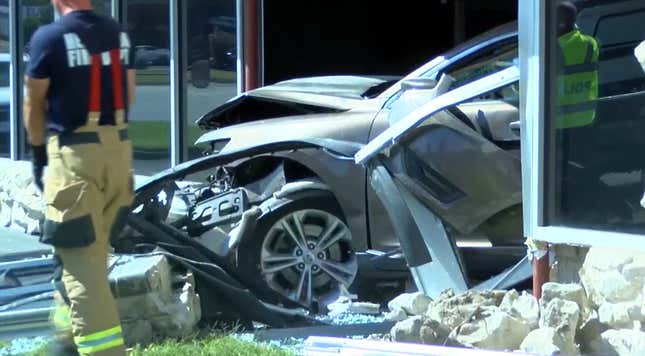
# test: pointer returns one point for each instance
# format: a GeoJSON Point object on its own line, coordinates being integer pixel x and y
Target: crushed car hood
{"type": "Point", "coordinates": [305, 96]}
{"type": "Point", "coordinates": [347, 126]}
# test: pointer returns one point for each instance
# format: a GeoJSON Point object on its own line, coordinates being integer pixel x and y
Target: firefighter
{"type": "Point", "coordinates": [79, 85]}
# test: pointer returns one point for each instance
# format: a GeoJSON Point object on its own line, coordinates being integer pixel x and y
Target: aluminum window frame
{"type": "Point", "coordinates": [532, 50]}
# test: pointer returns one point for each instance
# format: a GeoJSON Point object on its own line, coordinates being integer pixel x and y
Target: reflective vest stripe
{"type": "Point", "coordinates": [99, 341]}
{"type": "Point", "coordinates": [117, 78]}
{"type": "Point", "coordinates": [578, 107]}
{"type": "Point", "coordinates": [579, 68]}
{"type": "Point", "coordinates": [95, 84]}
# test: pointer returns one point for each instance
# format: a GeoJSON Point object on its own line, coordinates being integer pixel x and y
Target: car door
{"type": "Point", "coordinates": [430, 169]}
{"type": "Point", "coordinates": [500, 53]}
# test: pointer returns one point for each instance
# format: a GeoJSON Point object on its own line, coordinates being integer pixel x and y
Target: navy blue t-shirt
{"type": "Point", "coordinates": [73, 52]}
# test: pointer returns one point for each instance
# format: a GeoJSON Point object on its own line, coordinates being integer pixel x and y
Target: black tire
{"type": "Point", "coordinates": [250, 250]}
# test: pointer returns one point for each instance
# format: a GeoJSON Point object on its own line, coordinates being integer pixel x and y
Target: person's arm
{"type": "Point", "coordinates": [34, 109]}
{"type": "Point", "coordinates": [131, 86]}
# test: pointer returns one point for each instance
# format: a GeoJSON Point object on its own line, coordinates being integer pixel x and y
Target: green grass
{"type": "Point", "coordinates": [215, 345]}
{"type": "Point", "coordinates": [219, 345]}
{"type": "Point", "coordinates": [155, 135]}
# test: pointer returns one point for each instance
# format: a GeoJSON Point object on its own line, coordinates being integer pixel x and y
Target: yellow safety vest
{"type": "Point", "coordinates": [577, 80]}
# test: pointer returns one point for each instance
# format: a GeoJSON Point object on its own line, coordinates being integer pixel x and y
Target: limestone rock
{"type": "Point", "coordinates": [496, 331]}
{"type": "Point", "coordinates": [620, 343]}
{"type": "Point", "coordinates": [620, 315]}
{"type": "Point", "coordinates": [571, 291]}
{"type": "Point", "coordinates": [453, 311]}
{"type": "Point", "coordinates": [612, 275]}
{"type": "Point", "coordinates": [433, 333]}
{"type": "Point", "coordinates": [412, 303]}
{"type": "Point", "coordinates": [407, 330]}
{"type": "Point", "coordinates": [396, 315]}
{"type": "Point", "coordinates": [562, 315]}
{"type": "Point", "coordinates": [522, 306]}
{"type": "Point", "coordinates": [548, 341]}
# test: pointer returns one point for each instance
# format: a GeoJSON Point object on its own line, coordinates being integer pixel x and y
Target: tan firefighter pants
{"type": "Point", "coordinates": [88, 191]}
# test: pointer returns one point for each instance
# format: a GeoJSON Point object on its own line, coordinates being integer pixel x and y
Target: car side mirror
{"type": "Point", "coordinates": [515, 126]}
{"type": "Point", "coordinates": [200, 74]}
{"type": "Point", "coordinates": [415, 93]}
{"type": "Point", "coordinates": [418, 84]}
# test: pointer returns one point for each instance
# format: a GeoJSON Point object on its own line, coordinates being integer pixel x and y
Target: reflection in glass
{"type": "Point", "coordinates": [148, 25]}
{"type": "Point", "coordinates": [209, 46]}
{"type": "Point", "coordinates": [35, 13]}
{"type": "Point", "coordinates": [5, 103]}
{"type": "Point", "coordinates": [596, 116]}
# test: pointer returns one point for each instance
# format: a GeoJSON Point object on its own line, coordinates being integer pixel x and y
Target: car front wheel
{"type": "Point", "coordinates": [302, 249]}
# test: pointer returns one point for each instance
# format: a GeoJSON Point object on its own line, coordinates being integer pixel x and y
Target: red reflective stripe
{"type": "Point", "coordinates": [95, 84]}
{"type": "Point", "coordinates": [117, 78]}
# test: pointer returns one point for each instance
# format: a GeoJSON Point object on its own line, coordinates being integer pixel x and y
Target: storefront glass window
{"type": "Point", "coordinates": [209, 47]}
{"type": "Point", "coordinates": [148, 24]}
{"type": "Point", "coordinates": [595, 118]}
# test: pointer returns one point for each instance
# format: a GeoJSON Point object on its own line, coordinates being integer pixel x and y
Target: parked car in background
{"type": "Point", "coordinates": [148, 56]}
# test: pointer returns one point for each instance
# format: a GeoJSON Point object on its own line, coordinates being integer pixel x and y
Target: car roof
{"type": "Point", "coordinates": [505, 29]}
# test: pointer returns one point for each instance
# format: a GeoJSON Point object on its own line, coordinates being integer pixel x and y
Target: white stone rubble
{"type": "Point", "coordinates": [562, 315]}
{"type": "Point", "coordinates": [494, 330]}
{"type": "Point", "coordinates": [620, 342]}
{"type": "Point", "coordinates": [412, 303]}
{"type": "Point", "coordinates": [21, 204]}
{"type": "Point", "coordinates": [548, 341]}
{"type": "Point", "coordinates": [522, 306]}
{"type": "Point", "coordinates": [396, 315]}
{"type": "Point", "coordinates": [408, 330]}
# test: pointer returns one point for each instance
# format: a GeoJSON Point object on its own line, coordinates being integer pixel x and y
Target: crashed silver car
{"type": "Point", "coordinates": [281, 204]}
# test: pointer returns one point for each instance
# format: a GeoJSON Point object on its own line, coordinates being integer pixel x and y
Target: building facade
{"type": "Point", "coordinates": [583, 181]}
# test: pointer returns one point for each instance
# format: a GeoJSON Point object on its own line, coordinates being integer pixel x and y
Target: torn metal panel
{"type": "Point", "coordinates": [429, 251]}
{"type": "Point", "coordinates": [510, 277]}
